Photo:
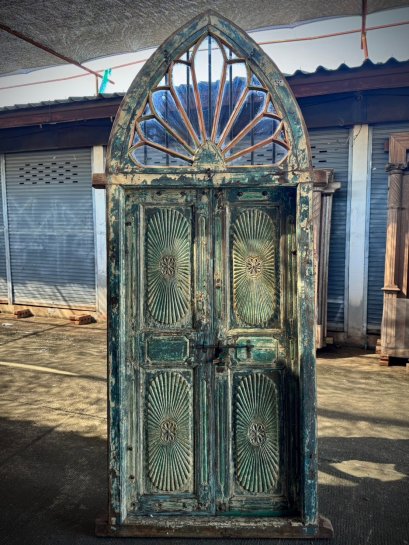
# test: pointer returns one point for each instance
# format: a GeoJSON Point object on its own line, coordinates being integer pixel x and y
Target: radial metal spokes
{"type": "Point", "coordinates": [208, 94]}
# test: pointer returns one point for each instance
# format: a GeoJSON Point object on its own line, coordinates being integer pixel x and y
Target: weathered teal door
{"type": "Point", "coordinates": [210, 301]}
{"type": "Point", "coordinates": [254, 270]}
{"type": "Point", "coordinates": [211, 297]}
{"type": "Point", "coordinates": [168, 303]}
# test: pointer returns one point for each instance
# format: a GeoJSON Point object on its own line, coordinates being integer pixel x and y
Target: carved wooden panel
{"type": "Point", "coordinates": [255, 279]}
{"type": "Point", "coordinates": [169, 432]}
{"type": "Point", "coordinates": [168, 266]}
{"type": "Point", "coordinates": [257, 434]}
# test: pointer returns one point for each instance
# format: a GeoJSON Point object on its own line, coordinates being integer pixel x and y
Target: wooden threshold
{"type": "Point", "coordinates": [208, 527]}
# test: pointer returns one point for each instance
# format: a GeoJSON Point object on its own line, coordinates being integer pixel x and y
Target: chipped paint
{"type": "Point", "coordinates": [132, 192]}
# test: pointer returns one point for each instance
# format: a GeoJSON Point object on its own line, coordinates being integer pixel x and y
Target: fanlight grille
{"type": "Point", "coordinates": [209, 99]}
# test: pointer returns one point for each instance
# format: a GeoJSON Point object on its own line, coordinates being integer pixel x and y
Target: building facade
{"type": "Point", "coordinates": [52, 220]}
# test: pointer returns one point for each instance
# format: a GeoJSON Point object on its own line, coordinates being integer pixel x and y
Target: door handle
{"type": "Point", "coordinates": [222, 346]}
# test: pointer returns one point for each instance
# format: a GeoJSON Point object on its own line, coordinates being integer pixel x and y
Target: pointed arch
{"type": "Point", "coordinates": [156, 128]}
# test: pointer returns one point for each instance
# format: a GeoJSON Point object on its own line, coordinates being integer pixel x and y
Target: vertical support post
{"type": "Point", "coordinates": [357, 273]}
{"type": "Point", "coordinates": [306, 351]}
{"type": "Point", "coordinates": [394, 207]}
{"type": "Point", "coordinates": [324, 188]}
{"type": "Point", "coordinates": [316, 218]}
{"type": "Point", "coordinates": [392, 288]}
{"type": "Point", "coordinates": [6, 228]}
{"type": "Point", "coordinates": [99, 205]}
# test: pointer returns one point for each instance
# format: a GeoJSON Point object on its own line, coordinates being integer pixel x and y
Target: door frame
{"type": "Point", "coordinates": [120, 370]}
{"type": "Point", "coordinates": [123, 174]}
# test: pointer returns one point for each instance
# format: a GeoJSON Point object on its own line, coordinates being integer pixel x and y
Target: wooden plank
{"type": "Point", "coordinates": [346, 109]}
{"type": "Point", "coordinates": [350, 80]}
{"type": "Point", "coordinates": [59, 136]}
{"type": "Point", "coordinates": [99, 180]}
{"type": "Point", "coordinates": [57, 113]}
{"type": "Point", "coordinates": [222, 527]}
{"type": "Point", "coordinates": [339, 109]}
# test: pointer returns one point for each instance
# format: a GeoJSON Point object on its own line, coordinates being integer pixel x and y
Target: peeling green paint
{"type": "Point", "coordinates": [211, 348]}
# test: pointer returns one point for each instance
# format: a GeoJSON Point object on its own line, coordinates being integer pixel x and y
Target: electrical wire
{"type": "Point", "coordinates": [270, 42]}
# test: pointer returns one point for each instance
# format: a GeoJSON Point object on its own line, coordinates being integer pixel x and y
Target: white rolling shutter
{"type": "Point", "coordinates": [50, 213]}
{"type": "Point", "coordinates": [330, 149]}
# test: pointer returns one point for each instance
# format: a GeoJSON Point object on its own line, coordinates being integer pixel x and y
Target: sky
{"type": "Point", "coordinates": [36, 86]}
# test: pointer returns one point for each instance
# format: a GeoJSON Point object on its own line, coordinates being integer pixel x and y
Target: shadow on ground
{"type": "Point", "coordinates": [55, 485]}
{"type": "Point", "coordinates": [53, 443]}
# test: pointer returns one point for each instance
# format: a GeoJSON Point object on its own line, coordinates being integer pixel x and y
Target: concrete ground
{"type": "Point", "coordinates": [53, 440]}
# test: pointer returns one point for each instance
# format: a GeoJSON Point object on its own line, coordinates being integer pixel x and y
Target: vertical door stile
{"type": "Point", "coordinates": [140, 371]}
{"type": "Point", "coordinates": [203, 324]}
{"type": "Point", "coordinates": [228, 352]}
{"type": "Point", "coordinates": [219, 370]}
{"type": "Point", "coordinates": [131, 340]}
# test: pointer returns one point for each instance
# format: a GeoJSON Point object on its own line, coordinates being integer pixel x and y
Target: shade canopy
{"type": "Point", "coordinates": [97, 28]}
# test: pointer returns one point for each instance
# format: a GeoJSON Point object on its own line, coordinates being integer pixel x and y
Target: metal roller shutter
{"type": "Point", "coordinates": [51, 230]}
{"type": "Point", "coordinates": [330, 149]}
{"type": "Point", "coordinates": [377, 222]}
{"type": "Point", "coordinates": [3, 275]}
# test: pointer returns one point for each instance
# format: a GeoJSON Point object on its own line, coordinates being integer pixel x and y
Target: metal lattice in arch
{"type": "Point", "coordinates": [209, 99]}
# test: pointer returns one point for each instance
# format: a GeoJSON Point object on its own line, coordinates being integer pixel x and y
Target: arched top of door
{"type": "Point", "coordinates": [209, 103]}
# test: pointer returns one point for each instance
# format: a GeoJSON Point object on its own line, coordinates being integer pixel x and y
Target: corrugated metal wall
{"type": "Point", "coordinates": [330, 149]}
{"type": "Point", "coordinates": [51, 228]}
{"type": "Point", "coordinates": [377, 222]}
{"type": "Point", "coordinates": [3, 277]}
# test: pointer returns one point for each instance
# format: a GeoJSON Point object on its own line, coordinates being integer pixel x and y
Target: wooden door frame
{"type": "Point", "coordinates": [122, 175]}
{"type": "Point", "coordinates": [394, 342]}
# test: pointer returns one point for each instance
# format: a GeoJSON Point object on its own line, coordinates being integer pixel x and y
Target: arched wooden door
{"type": "Point", "coordinates": [211, 348]}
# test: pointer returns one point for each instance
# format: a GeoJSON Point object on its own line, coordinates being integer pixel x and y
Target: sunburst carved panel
{"type": "Point", "coordinates": [169, 432]}
{"type": "Point", "coordinates": [254, 268]}
{"type": "Point", "coordinates": [168, 269]}
{"type": "Point", "coordinates": [257, 434]}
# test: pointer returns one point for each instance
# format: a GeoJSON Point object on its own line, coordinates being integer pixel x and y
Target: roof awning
{"type": "Point", "coordinates": [84, 31]}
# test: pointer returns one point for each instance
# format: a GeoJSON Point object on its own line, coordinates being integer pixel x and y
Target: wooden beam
{"type": "Point", "coordinates": [91, 122]}
{"type": "Point", "coordinates": [59, 136]}
{"type": "Point", "coordinates": [350, 80]}
{"type": "Point", "coordinates": [99, 180]}
{"type": "Point", "coordinates": [60, 113]}
{"type": "Point", "coordinates": [344, 80]}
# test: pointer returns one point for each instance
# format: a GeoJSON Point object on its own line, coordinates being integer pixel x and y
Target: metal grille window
{"type": "Point", "coordinates": [50, 213]}
{"type": "Point", "coordinates": [330, 149]}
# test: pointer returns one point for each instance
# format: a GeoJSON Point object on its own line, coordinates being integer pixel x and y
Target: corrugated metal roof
{"type": "Point", "coordinates": [320, 70]}
{"type": "Point", "coordinates": [344, 67]}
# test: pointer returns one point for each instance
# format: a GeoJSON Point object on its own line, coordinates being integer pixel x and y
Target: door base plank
{"type": "Point", "coordinates": [222, 526]}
